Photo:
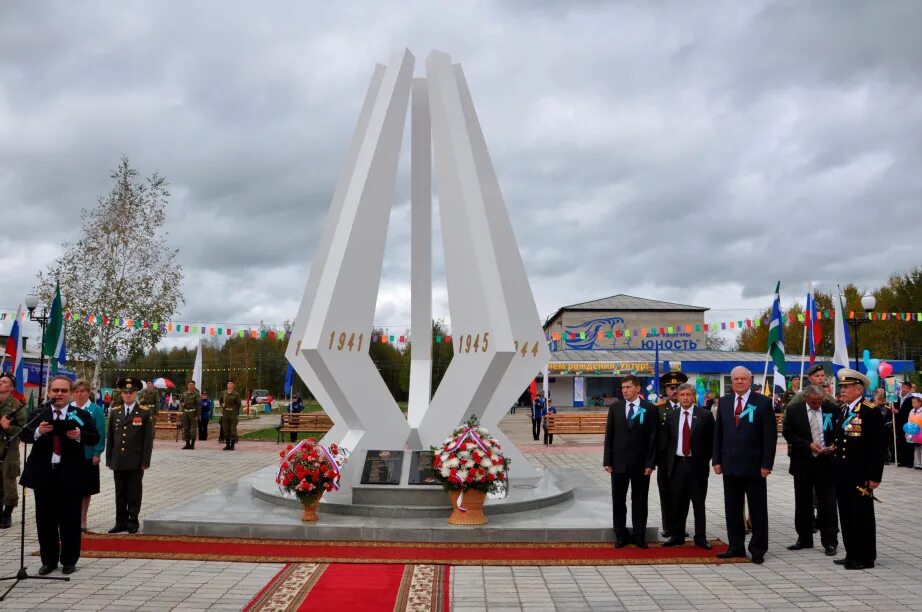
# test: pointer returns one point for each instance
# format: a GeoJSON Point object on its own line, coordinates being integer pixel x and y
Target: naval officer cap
{"type": "Point", "coordinates": [847, 376]}
{"type": "Point", "coordinates": [673, 378]}
{"type": "Point", "coordinates": [816, 367]}
{"type": "Point", "coordinates": [130, 385]}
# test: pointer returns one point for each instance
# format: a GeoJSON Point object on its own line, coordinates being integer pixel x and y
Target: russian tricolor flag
{"type": "Point", "coordinates": [814, 333]}
{"type": "Point", "coordinates": [14, 353]}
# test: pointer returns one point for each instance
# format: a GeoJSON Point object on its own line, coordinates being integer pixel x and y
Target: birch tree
{"type": "Point", "coordinates": [120, 267]}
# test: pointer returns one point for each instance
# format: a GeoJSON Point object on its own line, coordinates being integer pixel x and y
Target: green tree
{"type": "Point", "coordinates": [121, 266]}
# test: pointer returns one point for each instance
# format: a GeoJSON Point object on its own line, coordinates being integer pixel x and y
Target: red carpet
{"type": "Point", "coordinates": [382, 587]}
{"type": "Point", "coordinates": [274, 551]}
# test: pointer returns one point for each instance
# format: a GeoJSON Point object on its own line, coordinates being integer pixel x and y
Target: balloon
{"type": "Point", "coordinates": [885, 369]}
{"type": "Point", "coordinates": [870, 366]}
{"type": "Point", "coordinates": [911, 428]}
{"type": "Point", "coordinates": [916, 418]}
{"type": "Point", "coordinates": [917, 439]}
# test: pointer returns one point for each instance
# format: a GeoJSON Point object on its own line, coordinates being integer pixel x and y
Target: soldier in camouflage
{"type": "Point", "coordinates": [230, 408]}
{"type": "Point", "coordinates": [150, 398]}
{"type": "Point", "coordinates": [12, 420]}
{"type": "Point", "coordinates": [190, 404]}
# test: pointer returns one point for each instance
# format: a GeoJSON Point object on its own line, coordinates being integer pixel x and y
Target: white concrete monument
{"type": "Point", "coordinates": [498, 341]}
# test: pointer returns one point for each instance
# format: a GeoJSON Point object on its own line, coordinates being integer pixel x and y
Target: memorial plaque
{"type": "Point", "coordinates": [421, 472]}
{"type": "Point", "coordinates": [382, 467]}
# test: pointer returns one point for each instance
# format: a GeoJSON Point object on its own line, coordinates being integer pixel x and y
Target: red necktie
{"type": "Point", "coordinates": [686, 436]}
{"type": "Point", "coordinates": [738, 411]}
{"type": "Point", "coordinates": [56, 440]}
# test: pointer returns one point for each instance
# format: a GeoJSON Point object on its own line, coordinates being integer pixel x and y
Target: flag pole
{"type": "Point", "coordinates": [808, 324]}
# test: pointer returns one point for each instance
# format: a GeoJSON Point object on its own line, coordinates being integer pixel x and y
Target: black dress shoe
{"type": "Point", "coordinates": [758, 560]}
{"type": "Point", "coordinates": [46, 569]}
{"type": "Point", "coordinates": [620, 543]}
{"type": "Point", "coordinates": [640, 544]}
{"type": "Point", "coordinates": [673, 542]}
{"type": "Point", "coordinates": [665, 534]}
{"type": "Point", "coordinates": [841, 561]}
{"type": "Point", "coordinates": [703, 544]}
{"type": "Point", "coordinates": [132, 528]}
{"type": "Point", "coordinates": [830, 551]}
{"type": "Point", "coordinates": [799, 545]}
{"type": "Point", "coordinates": [119, 528]}
{"type": "Point", "coordinates": [855, 565]}
{"type": "Point", "coordinates": [68, 569]}
{"type": "Point", "coordinates": [730, 554]}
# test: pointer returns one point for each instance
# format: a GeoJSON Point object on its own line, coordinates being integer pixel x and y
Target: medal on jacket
{"type": "Point", "coordinates": [851, 415]}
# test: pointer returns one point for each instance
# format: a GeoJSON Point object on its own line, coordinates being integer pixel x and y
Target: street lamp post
{"type": "Point", "coordinates": [869, 303]}
{"type": "Point", "coordinates": [42, 319]}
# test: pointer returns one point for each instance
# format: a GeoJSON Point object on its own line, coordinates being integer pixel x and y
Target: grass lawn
{"type": "Point", "coordinates": [271, 434]}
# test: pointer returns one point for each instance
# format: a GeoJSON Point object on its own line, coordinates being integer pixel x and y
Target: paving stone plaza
{"type": "Point", "coordinates": [805, 579]}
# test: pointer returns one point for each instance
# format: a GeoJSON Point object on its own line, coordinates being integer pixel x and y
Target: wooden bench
{"type": "Point", "coordinates": [577, 423]}
{"type": "Point", "coordinates": [304, 422]}
{"type": "Point", "coordinates": [168, 421]}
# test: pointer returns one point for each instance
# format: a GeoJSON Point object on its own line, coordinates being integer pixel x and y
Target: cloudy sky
{"type": "Point", "coordinates": [692, 152]}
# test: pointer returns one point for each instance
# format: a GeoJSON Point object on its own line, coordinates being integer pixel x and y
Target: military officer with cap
{"type": "Point", "coordinates": [129, 444]}
{"type": "Point", "coordinates": [816, 375]}
{"type": "Point", "coordinates": [230, 408]}
{"type": "Point", "coordinates": [669, 382]}
{"type": "Point", "coordinates": [191, 403]}
{"type": "Point", "coordinates": [859, 466]}
{"type": "Point", "coordinates": [12, 420]}
{"type": "Point", "coordinates": [150, 398]}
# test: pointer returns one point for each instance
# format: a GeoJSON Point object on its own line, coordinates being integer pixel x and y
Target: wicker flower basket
{"type": "Point", "coordinates": [472, 502]}
{"type": "Point", "coordinates": [309, 513]}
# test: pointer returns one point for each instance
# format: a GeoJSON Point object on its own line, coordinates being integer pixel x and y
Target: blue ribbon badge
{"type": "Point", "coordinates": [74, 417]}
{"type": "Point", "coordinates": [851, 415]}
{"type": "Point", "coordinates": [827, 421]}
{"type": "Point", "coordinates": [750, 411]}
{"type": "Point", "coordinates": [639, 413]}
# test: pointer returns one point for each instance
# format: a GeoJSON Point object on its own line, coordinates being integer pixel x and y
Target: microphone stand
{"type": "Point", "coordinates": [22, 574]}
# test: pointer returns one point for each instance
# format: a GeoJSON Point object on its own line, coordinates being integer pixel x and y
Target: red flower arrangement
{"type": "Point", "coordinates": [309, 469]}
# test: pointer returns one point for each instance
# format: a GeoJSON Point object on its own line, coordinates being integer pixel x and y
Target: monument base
{"type": "Point", "coordinates": [580, 512]}
{"type": "Point", "coordinates": [422, 501]}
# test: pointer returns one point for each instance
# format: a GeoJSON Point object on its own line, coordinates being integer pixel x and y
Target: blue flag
{"type": "Point", "coordinates": [289, 377]}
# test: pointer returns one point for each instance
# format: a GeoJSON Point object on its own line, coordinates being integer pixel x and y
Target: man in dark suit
{"type": "Point", "coordinates": [689, 438]}
{"type": "Point", "coordinates": [669, 382]}
{"type": "Point", "coordinates": [904, 450]}
{"type": "Point", "coordinates": [809, 428]}
{"type": "Point", "coordinates": [859, 466]}
{"type": "Point", "coordinates": [629, 455]}
{"type": "Point", "coordinates": [128, 450]}
{"type": "Point", "coordinates": [56, 471]}
{"type": "Point", "coordinates": [745, 435]}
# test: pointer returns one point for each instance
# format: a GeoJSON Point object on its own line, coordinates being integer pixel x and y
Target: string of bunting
{"type": "Point", "coordinates": [172, 369]}
{"type": "Point", "coordinates": [273, 332]}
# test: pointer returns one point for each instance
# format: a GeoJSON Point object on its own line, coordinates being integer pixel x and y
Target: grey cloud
{"type": "Point", "coordinates": [664, 146]}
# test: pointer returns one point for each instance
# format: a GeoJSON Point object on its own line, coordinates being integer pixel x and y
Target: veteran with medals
{"type": "Point", "coordinates": [859, 466]}
{"type": "Point", "coordinates": [191, 406]}
{"type": "Point", "coordinates": [230, 408]}
{"type": "Point", "coordinates": [129, 445]}
{"type": "Point", "coordinates": [669, 405]}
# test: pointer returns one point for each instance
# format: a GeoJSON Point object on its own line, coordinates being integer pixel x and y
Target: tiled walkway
{"type": "Point", "coordinates": [804, 580]}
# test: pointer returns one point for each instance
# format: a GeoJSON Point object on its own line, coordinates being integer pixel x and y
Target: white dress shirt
{"type": "Point", "coordinates": [628, 405]}
{"type": "Point", "coordinates": [683, 414]}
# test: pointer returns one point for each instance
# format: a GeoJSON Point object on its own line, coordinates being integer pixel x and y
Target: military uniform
{"type": "Point", "coordinates": [150, 398]}
{"type": "Point", "coordinates": [190, 404]}
{"type": "Point", "coordinates": [230, 408]}
{"type": "Point", "coordinates": [129, 444]}
{"type": "Point", "coordinates": [663, 409]}
{"type": "Point", "coordinates": [9, 471]}
{"type": "Point", "coordinates": [858, 459]}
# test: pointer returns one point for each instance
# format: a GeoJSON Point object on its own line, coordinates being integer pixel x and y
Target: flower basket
{"type": "Point", "coordinates": [307, 470]}
{"type": "Point", "coordinates": [469, 464]}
